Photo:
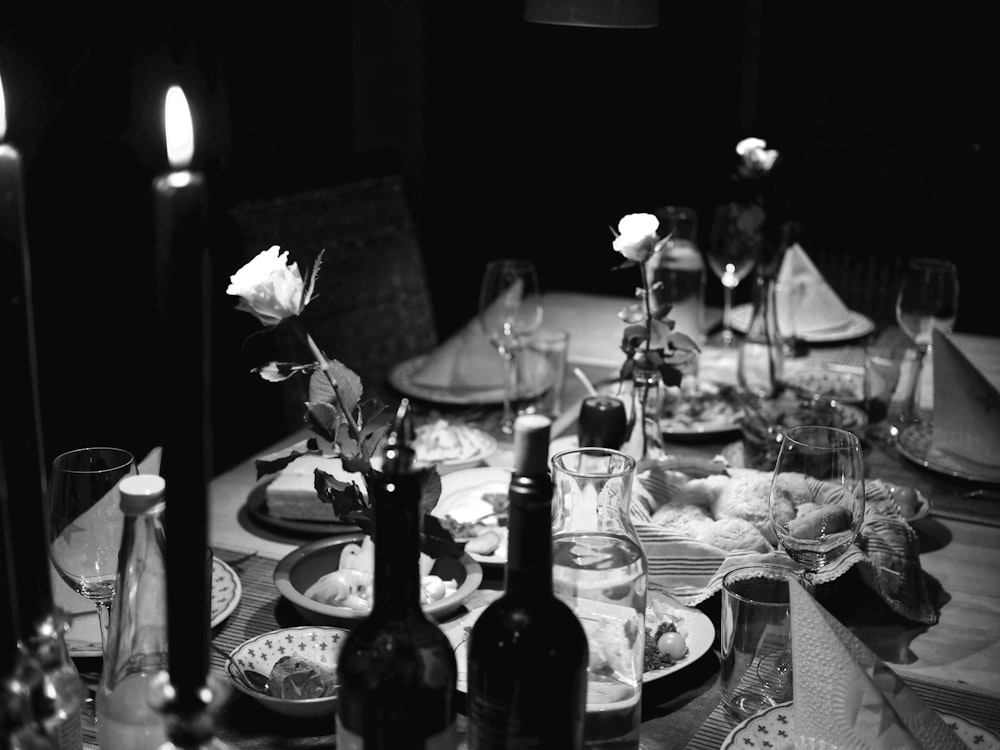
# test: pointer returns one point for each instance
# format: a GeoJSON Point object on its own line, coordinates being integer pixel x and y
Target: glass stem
{"type": "Point", "coordinates": [727, 307]}
{"type": "Point", "coordinates": [104, 619]}
{"type": "Point", "coordinates": [509, 390]}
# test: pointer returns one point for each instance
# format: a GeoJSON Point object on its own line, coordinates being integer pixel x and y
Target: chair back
{"type": "Point", "coordinates": [372, 307]}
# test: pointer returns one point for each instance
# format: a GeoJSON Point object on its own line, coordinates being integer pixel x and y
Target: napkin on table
{"type": "Point", "coordinates": [466, 360]}
{"type": "Point", "coordinates": [847, 697]}
{"type": "Point", "coordinates": [966, 405]}
{"type": "Point", "coordinates": [818, 309]}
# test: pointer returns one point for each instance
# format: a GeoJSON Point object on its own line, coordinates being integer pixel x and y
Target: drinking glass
{"type": "Point", "coordinates": [509, 308]}
{"type": "Point", "coordinates": [833, 458]}
{"type": "Point", "coordinates": [927, 299]}
{"type": "Point", "coordinates": [733, 251]}
{"type": "Point", "coordinates": [85, 523]}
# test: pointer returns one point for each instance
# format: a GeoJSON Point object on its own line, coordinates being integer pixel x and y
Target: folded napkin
{"type": "Point", "coordinates": [803, 292]}
{"type": "Point", "coordinates": [466, 361]}
{"type": "Point", "coordinates": [886, 551]}
{"type": "Point", "coordinates": [845, 696]}
{"type": "Point", "coordinates": [966, 405]}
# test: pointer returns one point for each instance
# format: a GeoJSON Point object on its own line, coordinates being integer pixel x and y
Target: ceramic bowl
{"type": "Point", "coordinates": [320, 644]}
{"type": "Point", "coordinates": [302, 567]}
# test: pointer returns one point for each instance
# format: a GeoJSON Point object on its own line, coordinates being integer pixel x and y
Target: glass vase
{"type": "Point", "coordinates": [644, 403]}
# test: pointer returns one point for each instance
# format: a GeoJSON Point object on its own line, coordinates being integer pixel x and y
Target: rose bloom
{"type": "Point", "coordinates": [269, 287]}
{"type": "Point", "coordinates": [636, 238]}
{"type": "Point", "coordinates": [756, 156]}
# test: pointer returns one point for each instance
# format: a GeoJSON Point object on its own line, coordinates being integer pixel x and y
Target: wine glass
{"type": "Point", "coordinates": [509, 308]}
{"type": "Point", "coordinates": [830, 462]}
{"type": "Point", "coordinates": [85, 523]}
{"type": "Point", "coordinates": [927, 299]}
{"type": "Point", "coordinates": [733, 251]}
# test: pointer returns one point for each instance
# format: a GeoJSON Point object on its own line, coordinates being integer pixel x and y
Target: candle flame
{"type": "Point", "coordinates": [3, 112]}
{"type": "Point", "coordinates": [180, 131]}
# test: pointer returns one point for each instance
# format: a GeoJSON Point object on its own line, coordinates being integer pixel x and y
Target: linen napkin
{"type": "Point", "coordinates": [966, 405]}
{"type": "Point", "coordinates": [817, 307]}
{"type": "Point", "coordinates": [886, 550]}
{"type": "Point", "coordinates": [465, 361]}
{"type": "Point", "coordinates": [845, 696]}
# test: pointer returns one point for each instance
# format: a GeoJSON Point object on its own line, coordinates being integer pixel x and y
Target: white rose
{"type": "Point", "coordinates": [636, 238]}
{"type": "Point", "coordinates": [270, 288]}
{"type": "Point", "coordinates": [756, 155]}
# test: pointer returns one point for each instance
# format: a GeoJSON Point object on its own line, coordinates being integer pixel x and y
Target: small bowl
{"type": "Point", "coordinates": [302, 567]}
{"type": "Point", "coordinates": [320, 644]}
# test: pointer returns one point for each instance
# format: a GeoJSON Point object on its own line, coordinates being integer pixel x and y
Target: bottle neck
{"type": "Point", "coordinates": [529, 544]}
{"type": "Point", "coordinates": [397, 545]}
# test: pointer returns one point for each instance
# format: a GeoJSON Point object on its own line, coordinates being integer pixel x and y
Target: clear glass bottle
{"type": "Point", "coordinates": [761, 364]}
{"type": "Point", "coordinates": [676, 271]}
{"type": "Point", "coordinates": [128, 717]}
{"type": "Point", "coordinates": [600, 569]}
{"type": "Point", "coordinates": [397, 669]}
{"type": "Point", "coordinates": [528, 653]}
{"type": "Point", "coordinates": [19, 728]}
{"type": "Point", "coordinates": [644, 404]}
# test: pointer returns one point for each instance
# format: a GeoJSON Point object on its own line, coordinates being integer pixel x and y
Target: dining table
{"type": "Point", "coordinates": [954, 664]}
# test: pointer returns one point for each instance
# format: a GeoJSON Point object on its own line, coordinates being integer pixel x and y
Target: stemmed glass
{"type": "Point", "coordinates": [509, 308]}
{"type": "Point", "coordinates": [733, 250]}
{"type": "Point", "coordinates": [85, 523]}
{"type": "Point", "coordinates": [927, 299]}
{"type": "Point", "coordinates": [832, 463]}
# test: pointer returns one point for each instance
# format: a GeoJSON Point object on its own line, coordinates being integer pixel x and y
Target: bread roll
{"type": "Point", "coordinates": [731, 534]}
{"type": "Point", "coordinates": [746, 497]}
{"type": "Point", "coordinates": [685, 520]}
{"type": "Point", "coordinates": [821, 521]}
{"type": "Point", "coordinates": [702, 492]}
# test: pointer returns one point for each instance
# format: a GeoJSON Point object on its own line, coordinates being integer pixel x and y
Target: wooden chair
{"type": "Point", "coordinates": [372, 308]}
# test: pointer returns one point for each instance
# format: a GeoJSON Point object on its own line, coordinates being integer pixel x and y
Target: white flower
{"type": "Point", "coordinates": [636, 238]}
{"type": "Point", "coordinates": [755, 154]}
{"type": "Point", "coordinates": [270, 288]}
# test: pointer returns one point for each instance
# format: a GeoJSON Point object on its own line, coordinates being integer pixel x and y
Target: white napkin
{"type": "Point", "coordinates": [467, 360]}
{"type": "Point", "coordinates": [803, 292]}
{"type": "Point", "coordinates": [966, 405]}
{"type": "Point", "coordinates": [847, 697]}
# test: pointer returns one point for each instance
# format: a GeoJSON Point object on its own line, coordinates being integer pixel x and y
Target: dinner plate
{"type": "Point", "coordinates": [772, 728]}
{"type": "Point", "coordinates": [401, 378]}
{"type": "Point", "coordinates": [256, 507]}
{"type": "Point", "coordinates": [916, 442]}
{"type": "Point", "coordinates": [699, 637]}
{"type": "Point", "coordinates": [463, 498]}
{"type": "Point", "coordinates": [84, 641]}
{"type": "Point", "coordinates": [858, 325]}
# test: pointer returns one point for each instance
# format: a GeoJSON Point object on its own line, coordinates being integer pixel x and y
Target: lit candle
{"type": "Point", "coordinates": [180, 210]}
{"type": "Point", "coordinates": [23, 492]}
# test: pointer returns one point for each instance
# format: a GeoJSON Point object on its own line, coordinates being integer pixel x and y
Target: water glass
{"type": "Point", "coordinates": [600, 570]}
{"type": "Point", "coordinates": [755, 639]}
{"type": "Point", "coordinates": [542, 372]}
{"type": "Point", "coordinates": [887, 369]}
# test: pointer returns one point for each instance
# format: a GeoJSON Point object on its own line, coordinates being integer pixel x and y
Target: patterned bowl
{"type": "Point", "coordinates": [318, 644]}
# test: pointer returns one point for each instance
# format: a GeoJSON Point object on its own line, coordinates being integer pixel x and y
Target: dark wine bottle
{"type": "Point", "coordinates": [528, 652]}
{"type": "Point", "coordinates": [397, 668]}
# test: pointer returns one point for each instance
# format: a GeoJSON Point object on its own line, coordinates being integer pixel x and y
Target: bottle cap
{"type": "Point", "coordinates": [531, 444]}
{"type": "Point", "coordinates": [141, 492]}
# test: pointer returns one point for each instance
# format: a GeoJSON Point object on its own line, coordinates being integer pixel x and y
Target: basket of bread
{"type": "Point", "coordinates": [699, 519]}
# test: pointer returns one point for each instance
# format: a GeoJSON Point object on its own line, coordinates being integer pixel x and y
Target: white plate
{"type": "Point", "coordinates": [84, 639]}
{"type": "Point", "coordinates": [700, 634]}
{"type": "Point", "coordinates": [721, 423]}
{"type": "Point", "coordinates": [857, 326]}
{"type": "Point", "coordinates": [462, 498]}
{"type": "Point", "coordinates": [401, 378]}
{"type": "Point", "coordinates": [916, 442]}
{"type": "Point", "coordinates": [772, 728]}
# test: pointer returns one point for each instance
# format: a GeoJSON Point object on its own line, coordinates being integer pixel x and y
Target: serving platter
{"type": "Point", "coordinates": [772, 729]}
{"type": "Point", "coordinates": [699, 636]}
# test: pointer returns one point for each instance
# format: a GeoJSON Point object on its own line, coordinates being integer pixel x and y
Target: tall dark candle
{"type": "Point", "coordinates": [182, 264]}
{"type": "Point", "coordinates": [22, 469]}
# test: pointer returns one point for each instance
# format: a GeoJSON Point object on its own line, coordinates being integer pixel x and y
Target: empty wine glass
{"type": "Point", "coordinates": [85, 523]}
{"type": "Point", "coordinates": [509, 308]}
{"type": "Point", "coordinates": [927, 299]}
{"type": "Point", "coordinates": [828, 461]}
{"type": "Point", "coordinates": [733, 250]}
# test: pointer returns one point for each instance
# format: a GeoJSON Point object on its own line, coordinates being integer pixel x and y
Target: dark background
{"type": "Point", "coordinates": [514, 139]}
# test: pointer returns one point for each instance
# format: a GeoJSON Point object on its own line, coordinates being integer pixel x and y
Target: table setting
{"type": "Point", "coordinates": [715, 463]}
